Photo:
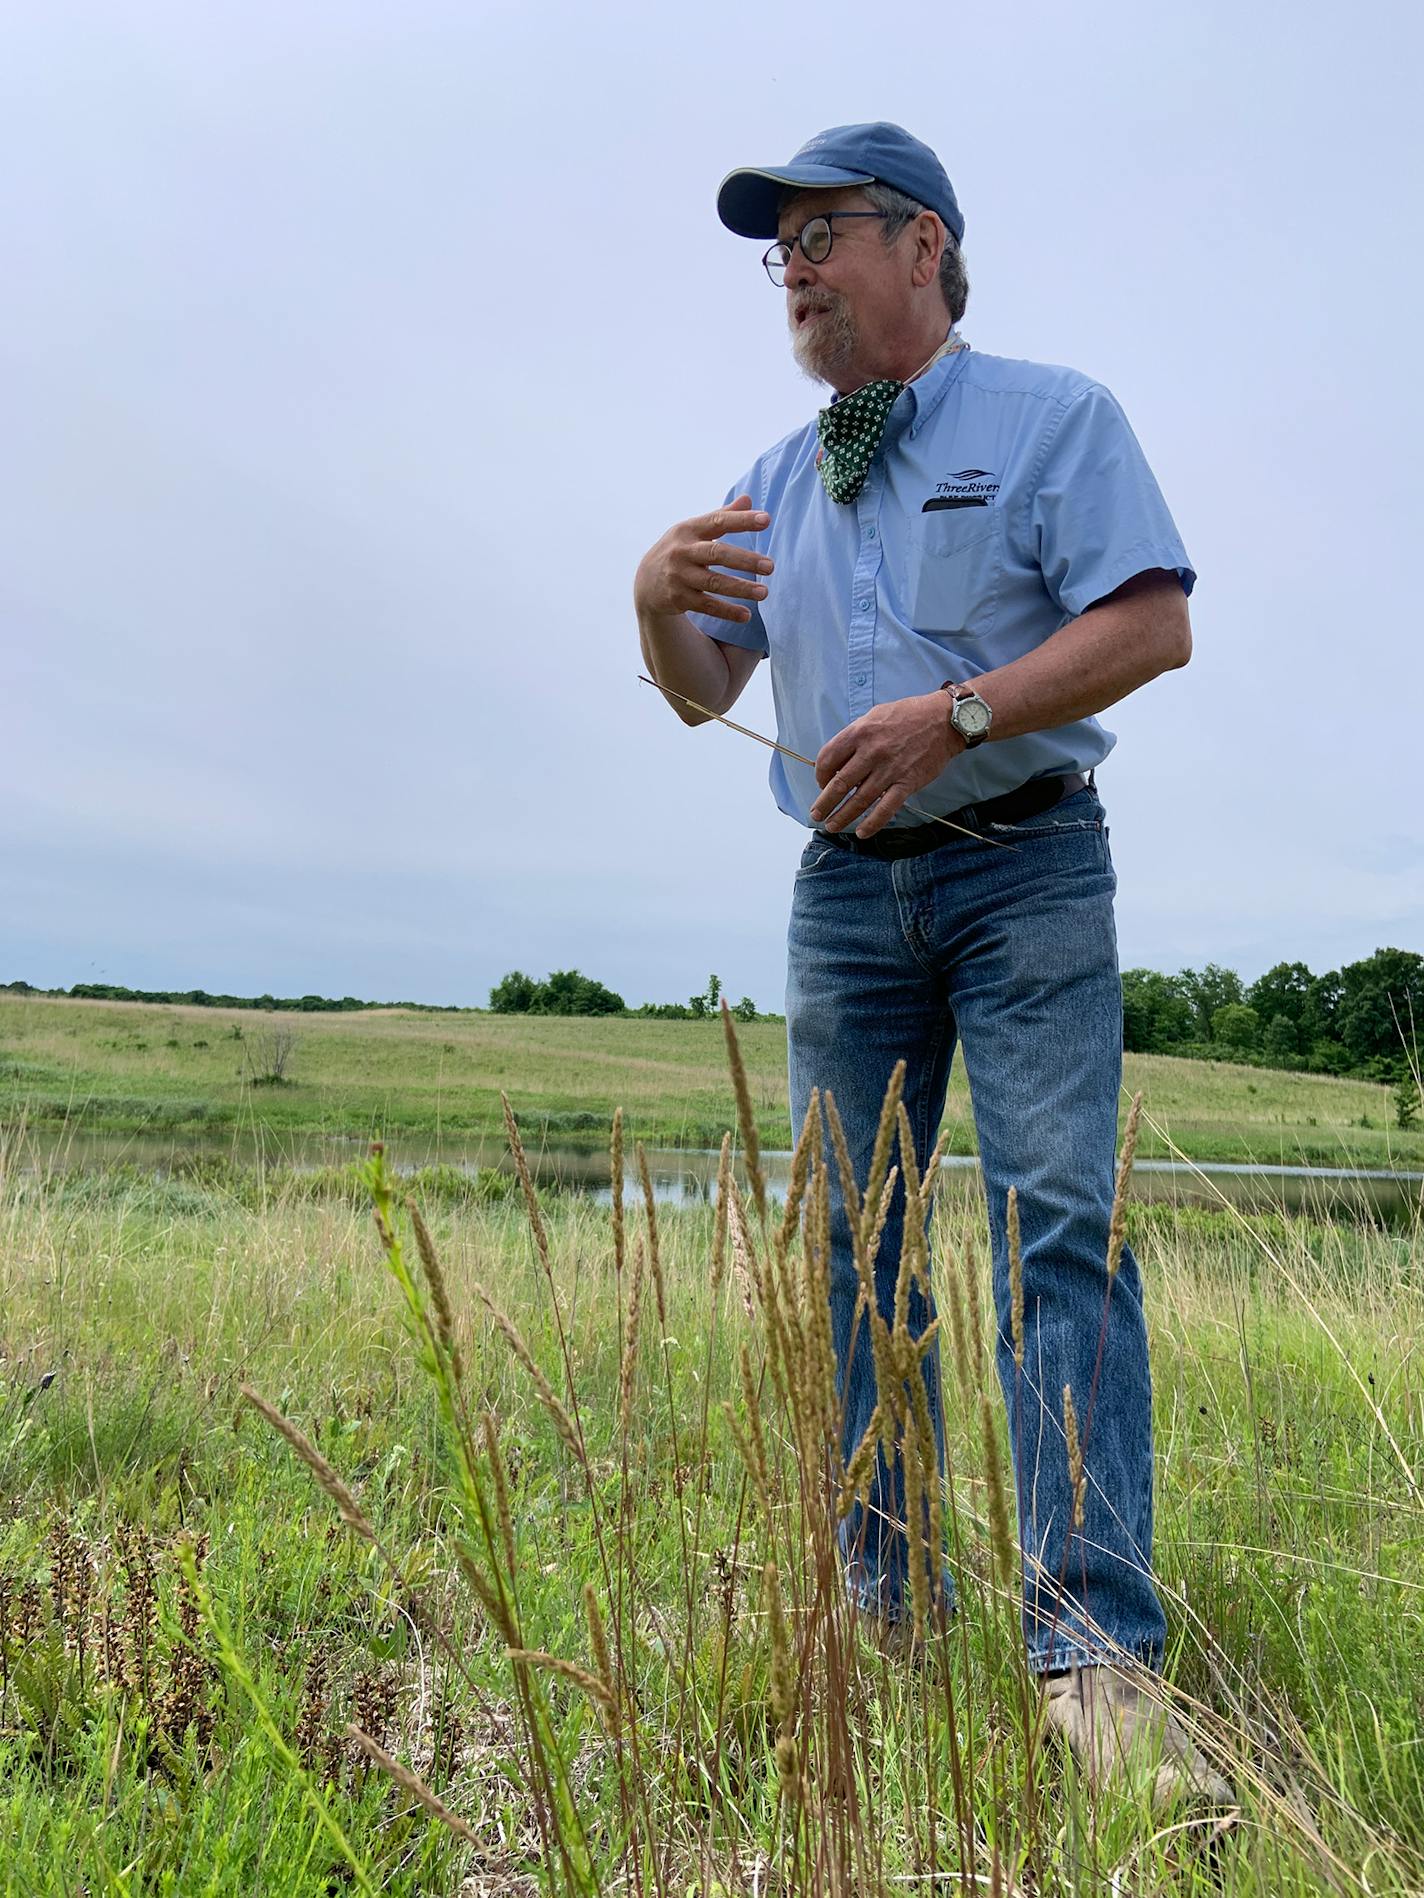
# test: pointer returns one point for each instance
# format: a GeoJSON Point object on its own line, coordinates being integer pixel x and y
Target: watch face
{"type": "Point", "coordinates": [972, 717]}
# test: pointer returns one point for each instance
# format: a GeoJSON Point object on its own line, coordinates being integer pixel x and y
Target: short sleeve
{"type": "Point", "coordinates": [749, 634]}
{"type": "Point", "coordinates": [1096, 516]}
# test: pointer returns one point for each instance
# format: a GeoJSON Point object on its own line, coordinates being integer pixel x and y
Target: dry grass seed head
{"type": "Point", "coordinates": [569, 1671]}
{"type": "Point", "coordinates": [746, 1118]}
{"type": "Point", "coordinates": [850, 1190]}
{"type": "Point", "coordinates": [632, 1321]}
{"type": "Point", "coordinates": [350, 1510]}
{"type": "Point", "coordinates": [973, 1300]}
{"type": "Point", "coordinates": [563, 1422]}
{"type": "Point", "coordinates": [1075, 1455]}
{"type": "Point", "coordinates": [817, 1269]}
{"type": "Point", "coordinates": [1117, 1225]}
{"type": "Point", "coordinates": [756, 1438]}
{"type": "Point", "coordinates": [1000, 1535]}
{"type": "Point", "coordinates": [655, 1256]}
{"type": "Point", "coordinates": [855, 1481]}
{"type": "Point", "coordinates": [439, 1294]}
{"type": "Point", "coordinates": [958, 1325]}
{"type": "Point", "coordinates": [909, 1164]}
{"type": "Point", "coordinates": [807, 1144]}
{"type": "Point", "coordinates": [598, 1642]}
{"type": "Point", "coordinates": [744, 1266]}
{"type": "Point", "coordinates": [719, 1216]}
{"type": "Point", "coordinates": [413, 1784]}
{"type": "Point", "coordinates": [526, 1182]}
{"type": "Point", "coordinates": [886, 1193]}
{"type": "Point", "coordinates": [884, 1142]}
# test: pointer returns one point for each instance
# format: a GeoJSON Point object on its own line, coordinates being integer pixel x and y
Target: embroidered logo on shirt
{"type": "Point", "coordinates": [968, 487]}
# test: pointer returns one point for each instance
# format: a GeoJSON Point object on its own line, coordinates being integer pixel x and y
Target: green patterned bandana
{"type": "Point", "coordinates": [850, 432]}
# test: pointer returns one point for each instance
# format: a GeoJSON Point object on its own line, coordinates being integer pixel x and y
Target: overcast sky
{"type": "Point", "coordinates": [351, 355]}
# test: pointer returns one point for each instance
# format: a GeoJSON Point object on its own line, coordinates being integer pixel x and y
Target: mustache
{"type": "Point", "coordinates": [809, 303]}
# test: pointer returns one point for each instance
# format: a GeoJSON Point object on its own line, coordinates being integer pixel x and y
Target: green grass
{"type": "Point", "coordinates": [1290, 1425]}
{"type": "Point", "coordinates": [428, 1082]}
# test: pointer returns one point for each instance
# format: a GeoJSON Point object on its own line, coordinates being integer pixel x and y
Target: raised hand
{"type": "Point", "coordinates": [679, 573]}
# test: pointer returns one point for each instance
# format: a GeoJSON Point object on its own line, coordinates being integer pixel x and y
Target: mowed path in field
{"type": "Point", "coordinates": [183, 1071]}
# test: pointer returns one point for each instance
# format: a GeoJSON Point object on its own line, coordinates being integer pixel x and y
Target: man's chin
{"type": "Point", "coordinates": [818, 357]}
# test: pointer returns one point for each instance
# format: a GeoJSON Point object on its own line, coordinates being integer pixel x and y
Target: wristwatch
{"type": "Point", "coordinates": [970, 716]}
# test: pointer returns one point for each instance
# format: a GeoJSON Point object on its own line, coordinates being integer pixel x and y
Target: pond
{"type": "Point", "coordinates": [688, 1176]}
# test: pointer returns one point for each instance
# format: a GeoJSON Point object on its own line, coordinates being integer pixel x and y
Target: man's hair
{"type": "Point", "coordinates": [901, 210]}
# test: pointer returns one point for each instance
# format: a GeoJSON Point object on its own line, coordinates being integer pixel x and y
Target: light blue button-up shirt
{"type": "Point", "coordinates": [1004, 499]}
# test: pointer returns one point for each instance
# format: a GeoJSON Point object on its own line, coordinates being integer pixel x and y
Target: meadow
{"type": "Point", "coordinates": [525, 1580]}
{"type": "Point", "coordinates": [431, 1082]}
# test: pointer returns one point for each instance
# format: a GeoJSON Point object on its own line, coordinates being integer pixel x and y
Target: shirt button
{"type": "Point", "coordinates": [865, 606]}
{"type": "Point", "coordinates": [860, 678]}
{"type": "Point", "coordinates": [870, 533]}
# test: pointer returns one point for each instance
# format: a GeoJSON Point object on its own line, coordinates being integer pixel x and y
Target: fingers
{"type": "Point", "coordinates": [730, 587]}
{"type": "Point", "coordinates": [715, 609]}
{"type": "Point", "coordinates": [716, 553]}
{"type": "Point", "coordinates": [730, 520]}
{"type": "Point", "coordinates": [889, 805]}
{"type": "Point", "coordinates": [833, 754]}
{"type": "Point", "coordinates": [854, 805]}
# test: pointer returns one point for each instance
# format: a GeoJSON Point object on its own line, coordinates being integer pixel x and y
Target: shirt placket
{"type": "Point", "coordinates": [864, 592]}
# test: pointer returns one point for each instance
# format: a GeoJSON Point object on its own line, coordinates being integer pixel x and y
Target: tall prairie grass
{"type": "Point", "coordinates": [541, 1589]}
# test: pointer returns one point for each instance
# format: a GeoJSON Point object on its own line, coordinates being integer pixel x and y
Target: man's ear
{"type": "Point", "coordinates": [930, 241]}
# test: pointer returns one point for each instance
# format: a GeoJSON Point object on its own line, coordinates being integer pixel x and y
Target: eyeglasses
{"type": "Point", "coordinates": [814, 238]}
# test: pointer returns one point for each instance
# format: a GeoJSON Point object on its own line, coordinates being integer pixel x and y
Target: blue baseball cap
{"type": "Point", "coordinates": [881, 153]}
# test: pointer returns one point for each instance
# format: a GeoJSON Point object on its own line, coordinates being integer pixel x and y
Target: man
{"type": "Point", "coordinates": [952, 569]}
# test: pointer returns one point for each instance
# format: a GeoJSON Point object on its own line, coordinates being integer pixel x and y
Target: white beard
{"type": "Point", "coordinates": [823, 348]}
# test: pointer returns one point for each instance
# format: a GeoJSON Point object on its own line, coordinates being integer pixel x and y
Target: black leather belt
{"type": "Point", "coordinates": [1029, 800]}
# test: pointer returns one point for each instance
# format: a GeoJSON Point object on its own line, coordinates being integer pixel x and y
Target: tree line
{"type": "Point", "coordinates": [567, 992]}
{"type": "Point", "coordinates": [200, 998]}
{"type": "Point", "coordinates": [1363, 1019]}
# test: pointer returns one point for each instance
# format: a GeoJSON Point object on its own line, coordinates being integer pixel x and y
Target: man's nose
{"type": "Point", "coordinates": [800, 275]}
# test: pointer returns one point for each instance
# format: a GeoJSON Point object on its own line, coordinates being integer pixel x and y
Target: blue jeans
{"type": "Point", "coordinates": [1013, 954]}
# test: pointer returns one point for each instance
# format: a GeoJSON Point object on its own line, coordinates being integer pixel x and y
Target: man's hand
{"type": "Point", "coordinates": [881, 760]}
{"type": "Point", "coordinates": [675, 575]}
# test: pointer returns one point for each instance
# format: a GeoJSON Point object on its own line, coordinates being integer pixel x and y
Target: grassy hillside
{"type": "Point", "coordinates": [185, 1072]}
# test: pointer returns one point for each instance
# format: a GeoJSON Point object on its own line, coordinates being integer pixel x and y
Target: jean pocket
{"type": "Point", "coordinates": [818, 856]}
{"type": "Point", "coordinates": [955, 569]}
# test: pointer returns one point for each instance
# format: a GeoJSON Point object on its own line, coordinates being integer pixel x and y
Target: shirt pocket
{"type": "Point", "coordinates": [955, 570]}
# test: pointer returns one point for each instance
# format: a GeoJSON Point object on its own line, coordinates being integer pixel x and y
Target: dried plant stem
{"type": "Point", "coordinates": [615, 1180]}
{"type": "Point", "coordinates": [501, 1487]}
{"type": "Point", "coordinates": [1016, 1290]}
